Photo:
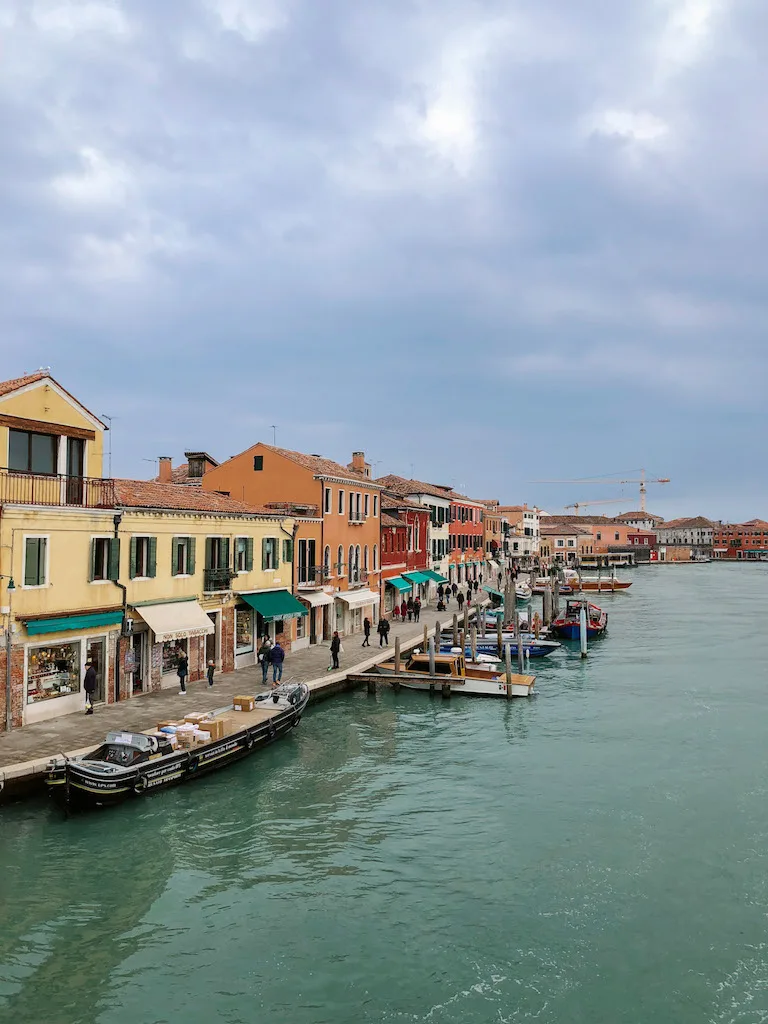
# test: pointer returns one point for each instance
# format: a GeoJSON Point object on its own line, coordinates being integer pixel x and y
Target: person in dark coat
{"type": "Point", "coordinates": [475, 586]}
{"type": "Point", "coordinates": [409, 606]}
{"type": "Point", "coordinates": [440, 591]}
{"type": "Point", "coordinates": [89, 685]}
{"type": "Point", "coordinates": [335, 648]}
{"type": "Point", "coordinates": [367, 631]}
{"type": "Point", "coordinates": [182, 671]}
{"type": "Point", "coordinates": [460, 600]}
{"type": "Point", "coordinates": [454, 589]}
{"type": "Point", "coordinates": [383, 630]}
{"type": "Point", "coordinates": [416, 609]}
{"type": "Point", "coordinates": [209, 673]}
{"type": "Point", "coordinates": [403, 610]}
{"type": "Point", "coordinates": [469, 593]}
{"type": "Point", "coordinates": [276, 659]}
{"type": "Point", "coordinates": [263, 656]}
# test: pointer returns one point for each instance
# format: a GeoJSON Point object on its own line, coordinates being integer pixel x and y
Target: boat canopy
{"type": "Point", "coordinates": [398, 583]}
{"type": "Point", "coordinates": [274, 604]}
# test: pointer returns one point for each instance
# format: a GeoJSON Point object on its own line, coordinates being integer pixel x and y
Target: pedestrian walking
{"type": "Point", "coordinates": [416, 609]}
{"type": "Point", "coordinates": [440, 591]}
{"type": "Point", "coordinates": [409, 606]}
{"type": "Point", "coordinates": [89, 685]}
{"type": "Point", "coordinates": [182, 671]}
{"type": "Point", "coordinates": [469, 593]}
{"type": "Point", "coordinates": [383, 630]}
{"type": "Point", "coordinates": [447, 596]}
{"type": "Point", "coordinates": [276, 659]}
{"type": "Point", "coordinates": [500, 579]}
{"type": "Point", "coordinates": [367, 632]}
{"type": "Point", "coordinates": [263, 657]}
{"type": "Point", "coordinates": [460, 600]}
{"type": "Point", "coordinates": [403, 610]}
{"type": "Point", "coordinates": [209, 673]}
{"type": "Point", "coordinates": [335, 650]}
{"type": "Point", "coordinates": [475, 586]}
{"type": "Point", "coordinates": [454, 589]}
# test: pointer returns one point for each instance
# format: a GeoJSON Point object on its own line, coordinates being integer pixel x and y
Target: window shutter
{"type": "Point", "coordinates": [132, 560]}
{"type": "Point", "coordinates": [191, 555]}
{"type": "Point", "coordinates": [224, 553]}
{"type": "Point", "coordinates": [264, 550]}
{"type": "Point", "coordinates": [175, 545]}
{"type": "Point", "coordinates": [248, 554]}
{"type": "Point", "coordinates": [31, 562]}
{"type": "Point", "coordinates": [288, 551]}
{"type": "Point", "coordinates": [92, 565]}
{"type": "Point", "coordinates": [152, 558]}
{"type": "Point", "coordinates": [114, 559]}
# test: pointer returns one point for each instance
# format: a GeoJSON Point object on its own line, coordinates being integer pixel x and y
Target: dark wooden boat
{"type": "Point", "coordinates": [131, 764]}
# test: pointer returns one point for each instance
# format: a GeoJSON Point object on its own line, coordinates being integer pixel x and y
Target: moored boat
{"type": "Point", "coordinates": [130, 764]}
{"type": "Point", "coordinates": [532, 647]}
{"type": "Point", "coordinates": [523, 592]}
{"type": "Point", "coordinates": [542, 582]}
{"type": "Point", "coordinates": [473, 679]}
{"type": "Point", "coordinates": [567, 624]}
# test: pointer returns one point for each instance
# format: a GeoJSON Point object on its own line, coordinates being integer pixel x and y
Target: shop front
{"type": "Point", "coordinates": [396, 588]}
{"type": "Point", "coordinates": [352, 606]}
{"type": "Point", "coordinates": [421, 581]}
{"type": "Point", "coordinates": [175, 625]}
{"type": "Point", "coordinates": [245, 635]}
{"type": "Point", "coordinates": [273, 610]}
{"type": "Point", "coordinates": [318, 626]}
{"type": "Point", "coordinates": [54, 665]}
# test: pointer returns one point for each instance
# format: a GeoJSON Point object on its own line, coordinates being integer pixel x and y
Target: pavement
{"type": "Point", "coordinates": [78, 733]}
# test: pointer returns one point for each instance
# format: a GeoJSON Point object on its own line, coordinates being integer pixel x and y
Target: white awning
{"type": "Point", "coordinates": [316, 598]}
{"type": "Point", "coordinates": [357, 598]}
{"type": "Point", "coordinates": [176, 620]}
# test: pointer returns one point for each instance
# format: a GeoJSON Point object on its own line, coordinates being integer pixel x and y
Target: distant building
{"type": "Point", "coordinates": [565, 543]}
{"type": "Point", "coordinates": [684, 540]}
{"type": "Point", "coordinates": [523, 530]}
{"type": "Point", "coordinates": [640, 520]}
{"type": "Point", "coordinates": [741, 541]}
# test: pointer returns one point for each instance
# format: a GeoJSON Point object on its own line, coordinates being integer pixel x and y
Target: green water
{"type": "Point", "coordinates": [596, 854]}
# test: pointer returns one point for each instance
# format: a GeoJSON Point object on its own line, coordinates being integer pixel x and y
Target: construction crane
{"type": "Point", "coordinates": [601, 501]}
{"type": "Point", "coordinates": [602, 480]}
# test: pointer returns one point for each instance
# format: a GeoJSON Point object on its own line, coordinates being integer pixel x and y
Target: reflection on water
{"type": "Point", "coordinates": [595, 853]}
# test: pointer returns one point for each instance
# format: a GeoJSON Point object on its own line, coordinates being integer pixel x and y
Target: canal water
{"type": "Point", "coordinates": [597, 854]}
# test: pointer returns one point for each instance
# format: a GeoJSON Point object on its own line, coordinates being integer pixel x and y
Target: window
{"type": "Point", "coordinates": [365, 558]}
{"type": "Point", "coordinates": [375, 554]}
{"type": "Point", "coordinates": [53, 671]}
{"type": "Point", "coordinates": [143, 562]}
{"type": "Point", "coordinates": [341, 503]}
{"type": "Point", "coordinates": [183, 556]}
{"type": "Point", "coordinates": [571, 543]}
{"type": "Point", "coordinates": [269, 553]}
{"type": "Point", "coordinates": [35, 561]}
{"type": "Point", "coordinates": [288, 551]}
{"type": "Point", "coordinates": [217, 552]}
{"type": "Point", "coordinates": [351, 572]}
{"type": "Point", "coordinates": [32, 453]}
{"type": "Point", "coordinates": [599, 536]}
{"type": "Point", "coordinates": [105, 559]}
{"type": "Point", "coordinates": [367, 505]}
{"type": "Point", "coordinates": [258, 463]}
{"type": "Point", "coordinates": [358, 504]}
{"type": "Point", "coordinates": [327, 500]}
{"type": "Point", "coordinates": [243, 554]}
{"type": "Point", "coordinates": [561, 543]}
{"type": "Point", "coordinates": [375, 505]}
{"type": "Point", "coordinates": [616, 536]}
{"type": "Point", "coordinates": [327, 561]}
{"type": "Point", "coordinates": [340, 561]}
{"type": "Point", "coordinates": [307, 564]}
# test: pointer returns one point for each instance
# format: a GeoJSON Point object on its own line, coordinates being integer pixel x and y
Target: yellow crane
{"type": "Point", "coordinates": [602, 480]}
{"type": "Point", "coordinates": [599, 501]}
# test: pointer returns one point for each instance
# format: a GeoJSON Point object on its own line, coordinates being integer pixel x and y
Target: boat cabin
{"type": "Point", "coordinates": [128, 748]}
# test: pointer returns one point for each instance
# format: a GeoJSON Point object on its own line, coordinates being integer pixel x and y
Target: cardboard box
{"type": "Point", "coordinates": [186, 739]}
{"type": "Point", "coordinates": [244, 703]}
{"type": "Point", "coordinates": [195, 717]}
{"type": "Point", "coordinates": [216, 728]}
{"type": "Point", "coordinates": [161, 725]}
{"type": "Point", "coordinates": [201, 736]}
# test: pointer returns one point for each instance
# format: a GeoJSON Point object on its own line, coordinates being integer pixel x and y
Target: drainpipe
{"type": "Point", "coordinates": [117, 519]}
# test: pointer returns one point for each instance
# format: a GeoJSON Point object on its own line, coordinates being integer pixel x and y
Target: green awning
{"type": "Point", "coordinates": [275, 604]}
{"type": "Point", "coordinates": [496, 593]}
{"type": "Point", "coordinates": [417, 577]}
{"type": "Point", "coordinates": [399, 583]}
{"type": "Point", "coordinates": [435, 576]}
{"type": "Point", "coordinates": [88, 621]}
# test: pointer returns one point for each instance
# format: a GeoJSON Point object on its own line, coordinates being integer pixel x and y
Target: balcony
{"type": "Point", "coordinates": [20, 488]}
{"type": "Point", "coordinates": [357, 578]}
{"type": "Point", "coordinates": [217, 580]}
{"type": "Point", "coordinates": [309, 577]}
{"type": "Point", "coordinates": [355, 519]}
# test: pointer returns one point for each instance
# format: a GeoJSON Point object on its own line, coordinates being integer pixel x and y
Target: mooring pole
{"type": "Point", "coordinates": [473, 642]}
{"type": "Point", "coordinates": [508, 668]}
{"type": "Point", "coordinates": [431, 657]}
{"type": "Point", "coordinates": [397, 654]}
{"type": "Point", "coordinates": [499, 637]}
{"type": "Point", "coordinates": [455, 630]}
{"type": "Point", "coordinates": [583, 628]}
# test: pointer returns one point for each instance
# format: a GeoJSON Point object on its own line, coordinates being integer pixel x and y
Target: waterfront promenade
{"type": "Point", "coordinates": [25, 752]}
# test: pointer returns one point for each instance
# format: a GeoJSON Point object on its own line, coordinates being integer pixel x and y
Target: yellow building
{"type": "Point", "coordinates": [130, 575]}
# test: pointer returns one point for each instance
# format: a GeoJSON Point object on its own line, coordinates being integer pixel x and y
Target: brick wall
{"type": "Point", "coordinates": [228, 638]}
{"type": "Point", "coordinates": [17, 685]}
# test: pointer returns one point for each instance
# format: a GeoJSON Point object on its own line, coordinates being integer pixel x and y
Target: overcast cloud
{"type": "Point", "coordinates": [488, 242]}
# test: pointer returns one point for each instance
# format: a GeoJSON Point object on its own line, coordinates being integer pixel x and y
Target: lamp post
{"type": "Point", "coordinates": [8, 711]}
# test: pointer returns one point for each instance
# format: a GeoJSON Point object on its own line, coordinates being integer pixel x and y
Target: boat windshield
{"type": "Point", "coordinates": [119, 753]}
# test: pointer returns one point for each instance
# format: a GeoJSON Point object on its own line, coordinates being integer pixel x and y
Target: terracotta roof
{"type": "Point", "coordinates": [321, 466]}
{"type": "Point", "coordinates": [180, 475]}
{"type": "Point", "coordinates": [400, 485]}
{"type": "Point", "coordinates": [389, 520]}
{"type": "Point", "coordinates": [563, 530]}
{"type": "Point", "coordinates": [516, 508]}
{"type": "Point", "coordinates": [627, 516]}
{"type": "Point", "coordinates": [696, 523]}
{"type": "Point", "coordinates": [587, 521]}
{"type": "Point", "coordinates": [6, 386]}
{"type": "Point", "coordinates": [294, 508]}
{"type": "Point", "coordinates": [178, 497]}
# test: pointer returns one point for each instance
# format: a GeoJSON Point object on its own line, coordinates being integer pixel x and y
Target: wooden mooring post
{"type": "Point", "coordinates": [466, 618]}
{"type": "Point", "coordinates": [431, 656]}
{"type": "Point", "coordinates": [499, 637]}
{"type": "Point", "coordinates": [508, 668]}
{"type": "Point", "coordinates": [519, 641]}
{"type": "Point", "coordinates": [473, 643]}
{"type": "Point", "coordinates": [426, 639]}
{"type": "Point", "coordinates": [455, 630]}
{"type": "Point", "coordinates": [547, 605]}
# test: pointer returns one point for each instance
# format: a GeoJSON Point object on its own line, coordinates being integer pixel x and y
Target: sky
{"type": "Point", "coordinates": [488, 242]}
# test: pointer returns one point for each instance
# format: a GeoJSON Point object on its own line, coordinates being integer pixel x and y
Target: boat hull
{"type": "Point", "coordinates": [486, 646]}
{"type": "Point", "coordinates": [470, 687]}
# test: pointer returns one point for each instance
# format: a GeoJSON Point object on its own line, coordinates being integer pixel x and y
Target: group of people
{"type": "Point", "coordinates": [444, 594]}
{"type": "Point", "coordinates": [410, 608]}
{"type": "Point", "coordinates": [271, 654]}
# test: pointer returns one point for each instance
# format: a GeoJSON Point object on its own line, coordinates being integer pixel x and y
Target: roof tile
{"type": "Point", "coordinates": [179, 497]}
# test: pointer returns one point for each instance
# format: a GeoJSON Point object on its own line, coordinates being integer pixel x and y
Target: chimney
{"type": "Point", "coordinates": [359, 464]}
{"type": "Point", "coordinates": [165, 476]}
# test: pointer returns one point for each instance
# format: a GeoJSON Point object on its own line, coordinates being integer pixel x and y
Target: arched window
{"type": "Point", "coordinates": [340, 561]}
{"type": "Point", "coordinates": [327, 560]}
{"type": "Point", "coordinates": [375, 557]}
{"type": "Point", "coordinates": [365, 558]}
{"type": "Point", "coordinates": [351, 565]}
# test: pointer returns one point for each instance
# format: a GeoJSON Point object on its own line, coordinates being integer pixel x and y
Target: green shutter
{"type": "Point", "coordinates": [225, 553]}
{"type": "Point", "coordinates": [264, 552]}
{"type": "Point", "coordinates": [132, 561]}
{"type": "Point", "coordinates": [31, 562]}
{"type": "Point", "coordinates": [175, 545]}
{"type": "Point", "coordinates": [191, 556]}
{"type": "Point", "coordinates": [152, 558]}
{"type": "Point", "coordinates": [248, 554]}
{"type": "Point", "coordinates": [287, 550]}
{"type": "Point", "coordinates": [92, 566]}
{"type": "Point", "coordinates": [114, 559]}
{"type": "Point", "coordinates": [209, 552]}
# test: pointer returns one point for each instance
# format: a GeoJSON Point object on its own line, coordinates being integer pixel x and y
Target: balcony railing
{"type": "Point", "coordinates": [358, 578]}
{"type": "Point", "coordinates": [20, 488]}
{"type": "Point", "coordinates": [312, 575]}
{"type": "Point", "coordinates": [356, 518]}
{"type": "Point", "coordinates": [217, 580]}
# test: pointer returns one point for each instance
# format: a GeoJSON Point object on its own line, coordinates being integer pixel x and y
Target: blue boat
{"type": "Point", "coordinates": [488, 645]}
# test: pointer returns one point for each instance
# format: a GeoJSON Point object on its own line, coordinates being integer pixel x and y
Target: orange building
{"type": "Point", "coordinates": [336, 568]}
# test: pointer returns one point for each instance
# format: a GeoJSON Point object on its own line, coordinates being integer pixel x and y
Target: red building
{"type": "Point", "coordinates": [404, 550]}
{"type": "Point", "coordinates": [741, 541]}
{"type": "Point", "coordinates": [644, 543]}
{"type": "Point", "coordinates": [466, 537]}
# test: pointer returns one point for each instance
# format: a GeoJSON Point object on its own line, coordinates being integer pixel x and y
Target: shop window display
{"type": "Point", "coordinates": [173, 652]}
{"type": "Point", "coordinates": [53, 671]}
{"type": "Point", "coordinates": [243, 630]}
